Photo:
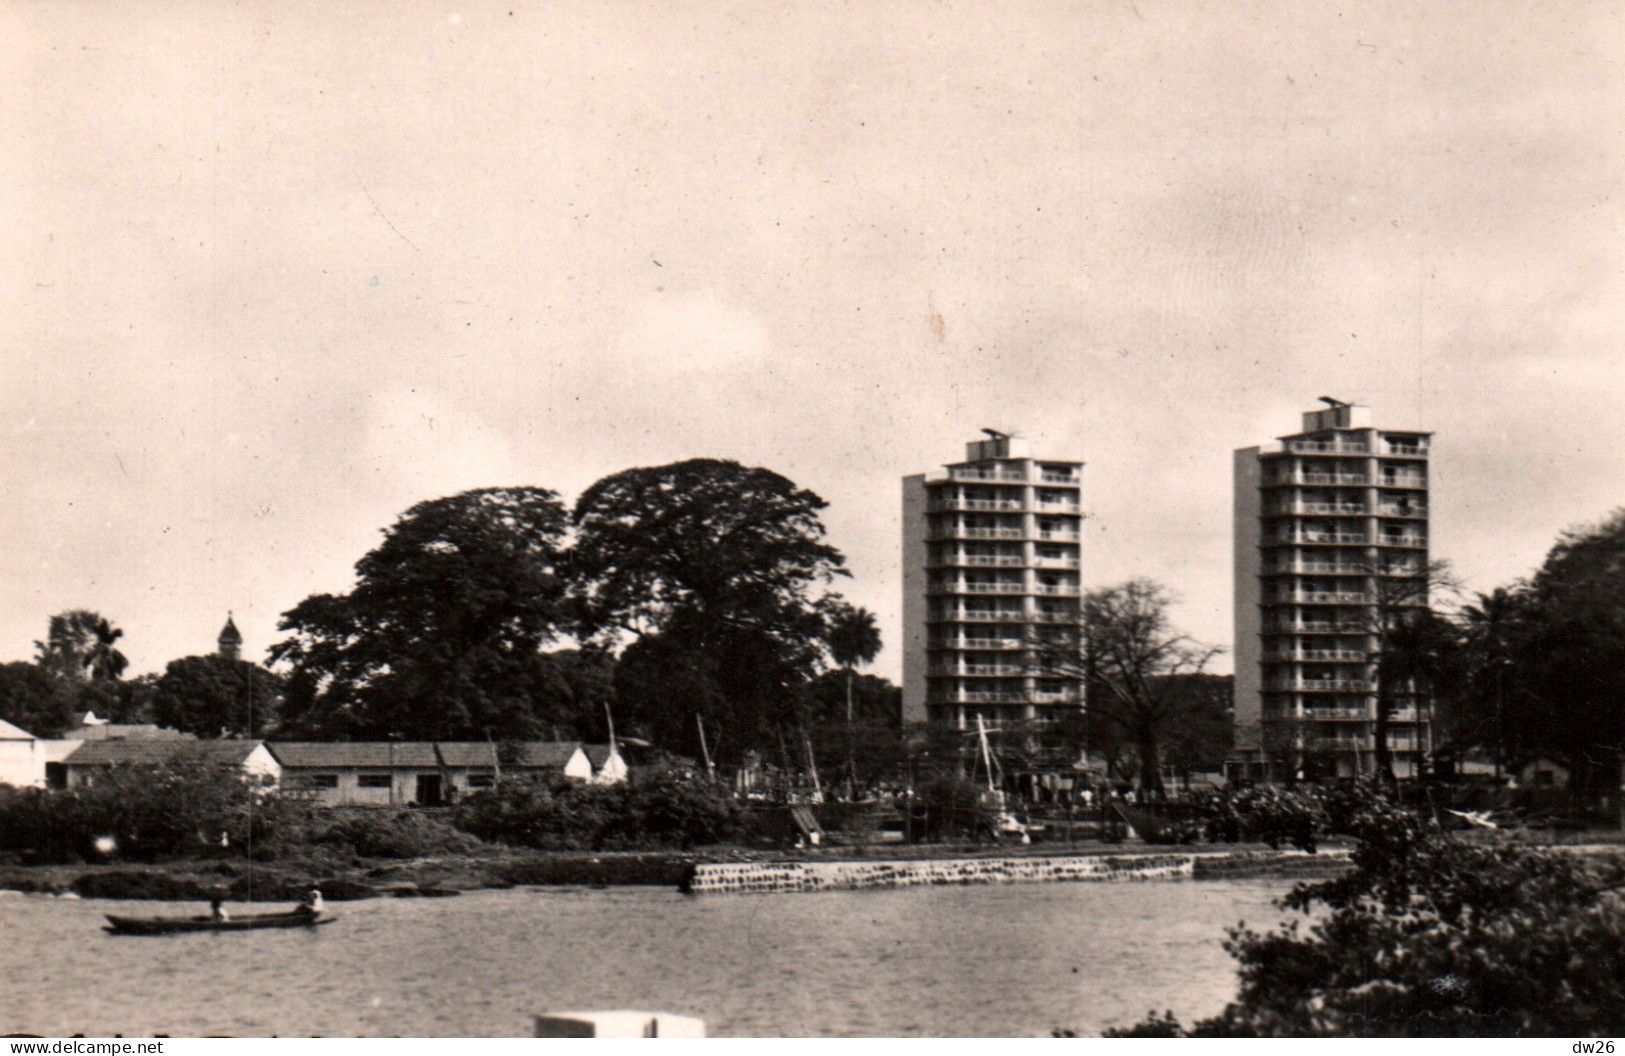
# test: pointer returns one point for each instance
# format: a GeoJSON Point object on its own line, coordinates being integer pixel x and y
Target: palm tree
{"type": "Point", "coordinates": [853, 640]}
{"type": "Point", "coordinates": [82, 645]}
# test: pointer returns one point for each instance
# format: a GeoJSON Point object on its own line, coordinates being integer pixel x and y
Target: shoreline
{"type": "Point", "coordinates": [237, 880]}
{"type": "Point", "coordinates": [829, 868]}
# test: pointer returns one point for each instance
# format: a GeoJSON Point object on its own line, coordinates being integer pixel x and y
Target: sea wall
{"type": "Point", "coordinates": [776, 877]}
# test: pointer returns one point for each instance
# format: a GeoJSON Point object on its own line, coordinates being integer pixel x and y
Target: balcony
{"type": "Point", "coordinates": [1314, 568]}
{"type": "Point", "coordinates": [1321, 539]}
{"type": "Point", "coordinates": [1058, 507]}
{"type": "Point", "coordinates": [960, 587]}
{"type": "Point", "coordinates": [1004, 476]}
{"type": "Point", "coordinates": [1387, 510]}
{"type": "Point", "coordinates": [1322, 509]}
{"type": "Point", "coordinates": [956, 503]}
{"type": "Point", "coordinates": [1319, 597]}
{"type": "Point", "coordinates": [1316, 655]}
{"type": "Point", "coordinates": [1055, 617]}
{"type": "Point", "coordinates": [1323, 447]}
{"type": "Point", "coordinates": [982, 560]}
{"type": "Point", "coordinates": [1403, 542]}
{"type": "Point", "coordinates": [1055, 562]}
{"type": "Point", "coordinates": [979, 616]}
{"type": "Point", "coordinates": [1336, 715]}
{"type": "Point", "coordinates": [961, 696]}
{"type": "Point", "coordinates": [1056, 590]}
{"type": "Point", "coordinates": [1394, 450]}
{"type": "Point", "coordinates": [977, 643]}
{"type": "Point", "coordinates": [953, 531]}
{"type": "Point", "coordinates": [978, 670]}
{"type": "Point", "coordinates": [1057, 537]}
{"type": "Point", "coordinates": [1320, 685]}
{"type": "Point", "coordinates": [1403, 480]}
{"type": "Point", "coordinates": [1070, 479]}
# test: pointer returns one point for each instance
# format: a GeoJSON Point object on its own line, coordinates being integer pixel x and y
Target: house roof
{"type": "Point", "coordinates": [334, 754]}
{"type": "Point", "coordinates": [113, 731]}
{"type": "Point", "coordinates": [152, 753]}
{"type": "Point", "coordinates": [599, 754]}
{"type": "Point", "coordinates": [8, 732]}
{"type": "Point", "coordinates": [533, 755]}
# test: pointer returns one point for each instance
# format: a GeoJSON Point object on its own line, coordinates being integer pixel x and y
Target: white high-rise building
{"type": "Point", "coordinates": [992, 552]}
{"type": "Point", "coordinates": [1331, 545]}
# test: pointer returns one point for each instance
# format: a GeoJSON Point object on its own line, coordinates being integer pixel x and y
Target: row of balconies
{"type": "Point", "coordinates": [1333, 568]}
{"type": "Point", "coordinates": [1320, 685]}
{"type": "Point", "coordinates": [1355, 447]}
{"type": "Point", "coordinates": [1413, 511]}
{"type": "Point", "coordinates": [1284, 656]}
{"type": "Point", "coordinates": [1306, 478]}
{"type": "Point", "coordinates": [1005, 587]}
{"type": "Point", "coordinates": [1311, 538]}
{"type": "Point", "coordinates": [976, 643]}
{"type": "Point", "coordinates": [960, 559]}
{"type": "Point", "coordinates": [1005, 475]}
{"type": "Point", "coordinates": [941, 532]}
{"type": "Point", "coordinates": [944, 503]}
{"type": "Point", "coordinates": [1318, 597]}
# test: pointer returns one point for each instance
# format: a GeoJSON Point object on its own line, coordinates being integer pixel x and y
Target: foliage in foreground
{"type": "Point", "coordinates": [1431, 936]}
{"type": "Point", "coordinates": [141, 812]}
{"type": "Point", "coordinates": [557, 813]}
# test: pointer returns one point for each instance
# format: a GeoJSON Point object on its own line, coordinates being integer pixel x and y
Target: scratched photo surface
{"type": "Point", "coordinates": [275, 273]}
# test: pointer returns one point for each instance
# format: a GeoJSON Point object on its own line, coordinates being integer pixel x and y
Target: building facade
{"type": "Point", "coordinates": [992, 557]}
{"type": "Point", "coordinates": [1331, 547]}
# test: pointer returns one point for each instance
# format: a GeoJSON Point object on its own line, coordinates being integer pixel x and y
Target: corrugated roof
{"type": "Point", "coordinates": [151, 753]}
{"type": "Point", "coordinates": [418, 755]}
{"type": "Point", "coordinates": [113, 731]}
{"type": "Point", "coordinates": [317, 755]}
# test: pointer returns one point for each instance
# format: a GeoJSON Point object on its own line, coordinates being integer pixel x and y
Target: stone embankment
{"type": "Point", "coordinates": [784, 877]}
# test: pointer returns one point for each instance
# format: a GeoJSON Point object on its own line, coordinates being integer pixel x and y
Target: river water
{"type": "Point", "coordinates": [1017, 960]}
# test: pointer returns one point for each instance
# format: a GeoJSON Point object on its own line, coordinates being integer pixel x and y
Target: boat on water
{"type": "Point", "coordinates": [171, 925]}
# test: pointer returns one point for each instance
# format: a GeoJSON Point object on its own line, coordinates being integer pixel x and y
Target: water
{"type": "Point", "coordinates": [1016, 960]}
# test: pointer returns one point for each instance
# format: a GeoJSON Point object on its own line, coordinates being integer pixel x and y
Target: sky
{"type": "Point", "coordinates": [274, 272]}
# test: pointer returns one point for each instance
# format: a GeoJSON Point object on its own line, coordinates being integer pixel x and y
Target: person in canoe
{"type": "Point", "coordinates": [312, 905]}
{"type": "Point", "coordinates": [217, 911]}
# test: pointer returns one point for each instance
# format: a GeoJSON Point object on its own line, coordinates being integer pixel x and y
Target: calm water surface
{"type": "Point", "coordinates": [1016, 960]}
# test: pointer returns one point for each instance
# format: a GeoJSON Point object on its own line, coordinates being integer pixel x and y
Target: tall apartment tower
{"type": "Point", "coordinates": [1331, 544]}
{"type": "Point", "coordinates": [992, 548]}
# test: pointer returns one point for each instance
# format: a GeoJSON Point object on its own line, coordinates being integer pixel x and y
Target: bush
{"type": "Point", "coordinates": [1432, 936]}
{"type": "Point", "coordinates": [387, 832]}
{"type": "Point", "coordinates": [561, 814]}
{"type": "Point", "coordinates": [141, 813]}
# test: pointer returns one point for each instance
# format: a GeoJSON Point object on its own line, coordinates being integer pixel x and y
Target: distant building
{"type": "Point", "coordinates": [428, 773]}
{"type": "Point", "coordinates": [992, 553]}
{"type": "Point", "coordinates": [1331, 541]}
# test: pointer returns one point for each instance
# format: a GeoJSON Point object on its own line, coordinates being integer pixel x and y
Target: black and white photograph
{"type": "Point", "coordinates": [734, 518]}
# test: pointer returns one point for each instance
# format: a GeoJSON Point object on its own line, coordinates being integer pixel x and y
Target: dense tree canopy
{"type": "Point", "coordinates": [33, 700]}
{"type": "Point", "coordinates": [212, 696]}
{"type": "Point", "coordinates": [710, 565]}
{"type": "Point", "coordinates": [442, 635]}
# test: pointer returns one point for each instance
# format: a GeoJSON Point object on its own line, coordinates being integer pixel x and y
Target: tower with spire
{"type": "Point", "coordinates": [230, 642]}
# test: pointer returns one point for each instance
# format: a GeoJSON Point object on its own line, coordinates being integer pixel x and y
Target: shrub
{"type": "Point", "coordinates": [560, 814]}
{"type": "Point", "coordinates": [141, 813]}
{"type": "Point", "coordinates": [1432, 936]}
{"type": "Point", "coordinates": [387, 832]}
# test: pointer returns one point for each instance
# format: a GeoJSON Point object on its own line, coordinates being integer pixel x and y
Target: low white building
{"type": "Point", "coordinates": [91, 759]}
{"type": "Point", "coordinates": [21, 765]}
{"type": "Point", "coordinates": [426, 773]}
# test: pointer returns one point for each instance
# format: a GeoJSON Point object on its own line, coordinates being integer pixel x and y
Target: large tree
{"type": "Point", "coordinates": [1134, 666]}
{"type": "Point", "coordinates": [33, 700]}
{"type": "Point", "coordinates": [213, 696]}
{"type": "Point", "coordinates": [82, 645]}
{"type": "Point", "coordinates": [708, 566]}
{"type": "Point", "coordinates": [1565, 638]}
{"type": "Point", "coordinates": [442, 636]}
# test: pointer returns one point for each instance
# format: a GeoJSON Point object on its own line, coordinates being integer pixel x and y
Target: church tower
{"type": "Point", "coordinates": [230, 642]}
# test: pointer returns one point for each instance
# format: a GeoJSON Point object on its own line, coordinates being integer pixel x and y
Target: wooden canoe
{"type": "Point", "coordinates": [172, 925]}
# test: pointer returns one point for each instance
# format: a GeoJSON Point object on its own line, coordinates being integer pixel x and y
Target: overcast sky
{"type": "Point", "coordinates": [273, 272]}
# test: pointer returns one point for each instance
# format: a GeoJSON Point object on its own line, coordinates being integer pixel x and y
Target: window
{"type": "Point", "coordinates": [373, 781]}
{"type": "Point", "coordinates": [321, 781]}
{"type": "Point", "coordinates": [482, 780]}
